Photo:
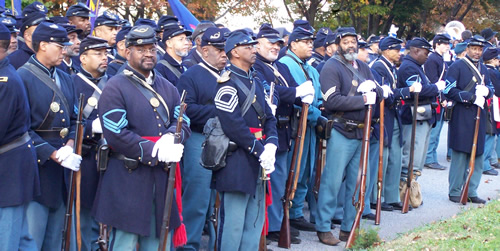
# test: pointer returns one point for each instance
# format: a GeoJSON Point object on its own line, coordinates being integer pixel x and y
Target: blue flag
{"type": "Point", "coordinates": [94, 9]}
{"type": "Point", "coordinates": [183, 14]}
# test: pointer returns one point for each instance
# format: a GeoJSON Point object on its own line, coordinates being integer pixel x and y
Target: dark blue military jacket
{"type": "Point", "coordinates": [71, 68]}
{"type": "Point", "coordinates": [19, 181]}
{"type": "Point", "coordinates": [167, 73]}
{"type": "Point", "coordinates": [462, 123]}
{"type": "Point", "coordinates": [336, 82]}
{"type": "Point", "coordinates": [124, 199]}
{"type": "Point", "coordinates": [372, 56]}
{"type": "Point", "coordinates": [319, 67]}
{"type": "Point", "coordinates": [286, 93]}
{"type": "Point", "coordinates": [199, 82]}
{"type": "Point", "coordinates": [88, 167]}
{"type": "Point", "coordinates": [115, 65]}
{"type": "Point", "coordinates": [40, 98]}
{"type": "Point", "coordinates": [383, 68]}
{"type": "Point", "coordinates": [491, 127]}
{"type": "Point", "coordinates": [409, 73]}
{"type": "Point", "coordinates": [193, 58]}
{"type": "Point", "coordinates": [315, 59]}
{"type": "Point", "coordinates": [20, 56]}
{"type": "Point", "coordinates": [435, 67]}
{"type": "Point", "coordinates": [242, 169]}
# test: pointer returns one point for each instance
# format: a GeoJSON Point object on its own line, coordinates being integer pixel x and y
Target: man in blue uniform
{"type": "Point", "coordinates": [90, 81]}
{"type": "Point", "coordinates": [373, 48]}
{"type": "Point", "coordinates": [299, 50]}
{"type": "Point", "coordinates": [117, 63]}
{"type": "Point", "coordinates": [435, 69]}
{"type": "Point", "coordinates": [467, 88]}
{"type": "Point", "coordinates": [270, 70]}
{"type": "Point", "coordinates": [319, 50]}
{"type": "Point", "coordinates": [68, 65]}
{"type": "Point", "coordinates": [297, 23]}
{"type": "Point", "coordinates": [10, 23]}
{"type": "Point", "coordinates": [106, 26]}
{"type": "Point", "coordinates": [53, 113]}
{"type": "Point", "coordinates": [411, 72]}
{"type": "Point", "coordinates": [194, 56]}
{"type": "Point", "coordinates": [330, 49]}
{"type": "Point", "coordinates": [29, 24]}
{"type": "Point", "coordinates": [177, 46]}
{"type": "Point", "coordinates": [347, 87]}
{"type": "Point", "coordinates": [242, 210]}
{"type": "Point", "coordinates": [79, 15]}
{"type": "Point", "coordinates": [137, 109]}
{"type": "Point", "coordinates": [200, 82]}
{"type": "Point", "coordinates": [18, 165]}
{"type": "Point", "coordinates": [490, 36]}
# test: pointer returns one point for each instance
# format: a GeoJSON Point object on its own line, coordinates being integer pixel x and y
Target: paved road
{"type": "Point", "coordinates": [434, 185]}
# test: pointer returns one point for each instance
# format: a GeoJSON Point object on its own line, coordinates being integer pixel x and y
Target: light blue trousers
{"type": "Point", "coordinates": [14, 233]}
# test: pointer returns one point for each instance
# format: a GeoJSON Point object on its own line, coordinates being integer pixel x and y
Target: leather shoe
{"type": "Point", "coordinates": [435, 166]}
{"type": "Point", "coordinates": [476, 200]}
{"type": "Point", "coordinates": [294, 232]}
{"type": "Point", "coordinates": [369, 216]}
{"type": "Point", "coordinates": [327, 238]}
{"type": "Point", "coordinates": [455, 199]}
{"type": "Point", "coordinates": [448, 158]}
{"type": "Point", "coordinates": [496, 165]}
{"type": "Point", "coordinates": [373, 206]}
{"type": "Point", "coordinates": [387, 207]}
{"type": "Point", "coordinates": [275, 236]}
{"type": "Point", "coordinates": [302, 224]}
{"type": "Point", "coordinates": [337, 221]}
{"type": "Point", "coordinates": [492, 172]}
{"type": "Point", "coordinates": [343, 235]}
{"type": "Point", "coordinates": [399, 206]}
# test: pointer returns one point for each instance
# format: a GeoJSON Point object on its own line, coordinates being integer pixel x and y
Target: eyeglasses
{"type": "Point", "coordinates": [249, 47]}
{"type": "Point", "coordinates": [308, 42]}
{"type": "Point", "coordinates": [59, 45]}
{"type": "Point", "coordinates": [144, 50]}
{"type": "Point", "coordinates": [99, 54]}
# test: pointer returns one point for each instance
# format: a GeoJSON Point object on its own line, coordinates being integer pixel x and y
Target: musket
{"type": "Point", "coordinates": [293, 176]}
{"type": "Point", "coordinates": [380, 177]}
{"type": "Point", "coordinates": [77, 149]}
{"type": "Point", "coordinates": [472, 162]}
{"type": "Point", "coordinates": [169, 195]}
{"type": "Point", "coordinates": [406, 200]}
{"type": "Point", "coordinates": [102, 160]}
{"type": "Point", "coordinates": [215, 217]}
{"type": "Point", "coordinates": [319, 169]}
{"type": "Point", "coordinates": [363, 168]}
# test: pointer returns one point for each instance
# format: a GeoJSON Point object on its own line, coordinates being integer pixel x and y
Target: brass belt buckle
{"type": "Point", "coordinates": [361, 125]}
{"type": "Point", "coordinates": [64, 132]}
{"type": "Point", "coordinates": [258, 135]}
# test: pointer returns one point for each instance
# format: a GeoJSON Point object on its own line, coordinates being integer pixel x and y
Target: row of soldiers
{"type": "Point", "coordinates": [132, 78]}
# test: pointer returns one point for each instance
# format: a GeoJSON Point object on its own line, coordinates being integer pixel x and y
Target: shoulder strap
{"type": "Point", "coordinates": [300, 64]}
{"type": "Point", "coordinates": [174, 70]}
{"type": "Point", "coordinates": [277, 75]}
{"type": "Point", "coordinates": [249, 99]}
{"type": "Point", "coordinates": [96, 94]}
{"type": "Point", "coordinates": [349, 66]}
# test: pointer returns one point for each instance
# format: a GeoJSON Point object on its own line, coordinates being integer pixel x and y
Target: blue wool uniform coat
{"type": "Point", "coordinates": [286, 93]}
{"type": "Point", "coordinates": [18, 167]}
{"type": "Point", "coordinates": [115, 65]}
{"type": "Point", "coordinates": [193, 58]}
{"type": "Point", "coordinates": [315, 59]}
{"type": "Point", "coordinates": [71, 68]}
{"type": "Point", "coordinates": [124, 199]}
{"type": "Point", "coordinates": [336, 82]}
{"type": "Point", "coordinates": [383, 68]}
{"type": "Point", "coordinates": [20, 56]}
{"type": "Point", "coordinates": [40, 97]}
{"type": "Point", "coordinates": [495, 81]}
{"type": "Point", "coordinates": [435, 68]}
{"type": "Point", "coordinates": [167, 73]}
{"type": "Point", "coordinates": [462, 123]}
{"type": "Point", "coordinates": [242, 167]}
{"type": "Point", "coordinates": [409, 73]}
{"type": "Point", "coordinates": [88, 166]}
{"type": "Point", "coordinates": [199, 84]}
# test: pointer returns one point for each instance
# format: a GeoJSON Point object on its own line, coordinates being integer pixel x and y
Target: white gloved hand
{"type": "Point", "coordinates": [441, 85]}
{"type": "Point", "coordinates": [72, 162]}
{"type": "Point", "coordinates": [268, 157]}
{"type": "Point", "coordinates": [479, 101]}
{"type": "Point", "coordinates": [307, 99]}
{"type": "Point", "coordinates": [371, 98]}
{"type": "Point", "coordinates": [367, 86]}
{"type": "Point", "coordinates": [273, 108]}
{"type": "Point", "coordinates": [417, 87]}
{"type": "Point", "coordinates": [482, 90]}
{"type": "Point", "coordinates": [96, 126]}
{"type": "Point", "coordinates": [63, 153]}
{"type": "Point", "coordinates": [304, 89]}
{"type": "Point", "coordinates": [387, 91]}
{"type": "Point", "coordinates": [161, 146]}
{"type": "Point", "coordinates": [268, 168]}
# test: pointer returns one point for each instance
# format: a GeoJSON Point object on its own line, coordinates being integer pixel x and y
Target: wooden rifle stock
{"type": "Point", "coordinates": [293, 176]}
{"type": "Point", "coordinates": [406, 200]}
{"type": "Point", "coordinates": [169, 195]}
{"type": "Point", "coordinates": [380, 177]}
{"type": "Point", "coordinates": [215, 218]}
{"type": "Point", "coordinates": [77, 149]}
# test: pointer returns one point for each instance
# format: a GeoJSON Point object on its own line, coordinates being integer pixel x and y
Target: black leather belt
{"type": "Point", "coordinates": [130, 164]}
{"type": "Point", "coordinates": [54, 133]}
{"type": "Point", "coordinates": [15, 143]}
{"type": "Point", "coordinates": [352, 123]}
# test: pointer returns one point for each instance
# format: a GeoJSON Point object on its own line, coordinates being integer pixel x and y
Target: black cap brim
{"type": "Point", "coordinates": [276, 40]}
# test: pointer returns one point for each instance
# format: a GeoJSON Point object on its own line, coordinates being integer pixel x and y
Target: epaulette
{"type": "Point", "coordinates": [4, 79]}
{"type": "Point", "coordinates": [128, 72]}
{"type": "Point", "coordinates": [224, 77]}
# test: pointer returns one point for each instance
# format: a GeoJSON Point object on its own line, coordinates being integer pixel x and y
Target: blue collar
{"type": "Point", "coordinates": [239, 72]}
{"type": "Point", "coordinates": [5, 62]}
{"type": "Point", "coordinates": [171, 60]}
{"type": "Point", "coordinates": [51, 72]}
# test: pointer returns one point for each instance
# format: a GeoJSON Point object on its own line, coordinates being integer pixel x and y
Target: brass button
{"type": "Point", "coordinates": [88, 136]}
{"type": "Point", "coordinates": [63, 120]}
{"type": "Point", "coordinates": [149, 163]}
{"type": "Point", "coordinates": [38, 161]}
{"type": "Point", "coordinates": [249, 148]}
{"type": "Point", "coordinates": [29, 146]}
{"type": "Point", "coordinates": [157, 117]}
{"type": "Point", "coordinates": [154, 109]}
{"type": "Point", "coordinates": [61, 111]}
{"type": "Point", "coordinates": [159, 125]}
{"type": "Point", "coordinates": [160, 134]}
{"type": "Point", "coordinates": [139, 158]}
{"type": "Point", "coordinates": [258, 117]}
{"type": "Point", "coordinates": [260, 124]}
{"type": "Point", "coordinates": [255, 153]}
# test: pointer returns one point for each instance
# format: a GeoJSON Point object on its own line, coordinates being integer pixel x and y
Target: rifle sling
{"type": "Point", "coordinates": [174, 70]}
{"type": "Point", "coordinates": [249, 93]}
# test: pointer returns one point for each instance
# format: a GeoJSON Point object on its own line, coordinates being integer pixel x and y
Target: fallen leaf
{"type": "Point", "coordinates": [463, 237]}
{"type": "Point", "coordinates": [488, 181]}
{"type": "Point", "coordinates": [465, 226]}
{"type": "Point", "coordinates": [417, 237]}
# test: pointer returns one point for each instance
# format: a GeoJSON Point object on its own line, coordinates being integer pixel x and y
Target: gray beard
{"type": "Point", "coordinates": [350, 56]}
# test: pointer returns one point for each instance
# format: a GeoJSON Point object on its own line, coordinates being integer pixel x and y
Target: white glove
{"type": "Point", "coordinates": [367, 86]}
{"type": "Point", "coordinates": [441, 85]}
{"type": "Point", "coordinates": [273, 108]}
{"type": "Point", "coordinates": [96, 126]}
{"type": "Point", "coordinates": [72, 162]}
{"type": "Point", "coordinates": [482, 90]}
{"type": "Point", "coordinates": [166, 150]}
{"type": "Point", "coordinates": [268, 157]}
{"type": "Point", "coordinates": [387, 91]}
{"type": "Point", "coordinates": [479, 101]}
{"type": "Point", "coordinates": [268, 168]}
{"type": "Point", "coordinates": [304, 89]}
{"type": "Point", "coordinates": [308, 99]}
{"type": "Point", "coordinates": [371, 97]}
{"type": "Point", "coordinates": [63, 153]}
{"type": "Point", "coordinates": [417, 86]}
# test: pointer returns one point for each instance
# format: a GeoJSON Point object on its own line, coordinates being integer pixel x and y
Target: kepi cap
{"type": "Point", "coordinates": [238, 38]}
{"type": "Point", "coordinates": [50, 32]}
{"type": "Point", "coordinates": [267, 31]}
{"type": "Point", "coordinates": [140, 35]}
{"type": "Point", "coordinates": [213, 36]}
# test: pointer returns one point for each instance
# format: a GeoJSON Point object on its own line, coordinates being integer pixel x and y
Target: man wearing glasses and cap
{"type": "Point", "coordinates": [116, 64]}
{"type": "Point", "coordinates": [138, 116]}
{"type": "Point", "coordinates": [90, 80]}
{"type": "Point", "coordinates": [272, 71]}
{"type": "Point", "coordinates": [52, 99]}
{"type": "Point", "coordinates": [200, 82]}
{"type": "Point", "coordinates": [177, 47]}
{"type": "Point", "coordinates": [106, 26]}
{"type": "Point", "coordinates": [240, 182]}
{"type": "Point", "coordinates": [79, 15]}
{"type": "Point", "coordinates": [194, 56]}
{"type": "Point", "coordinates": [69, 65]}
{"type": "Point", "coordinates": [468, 85]}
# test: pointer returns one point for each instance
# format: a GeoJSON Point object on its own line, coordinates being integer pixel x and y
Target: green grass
{"type": "Point", "coordinates": [473, 229]}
